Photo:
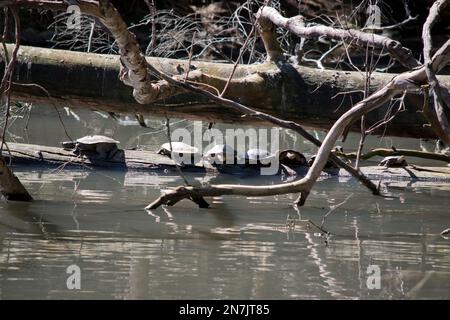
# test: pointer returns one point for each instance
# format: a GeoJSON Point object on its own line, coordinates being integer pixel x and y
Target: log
{"type": "Point", "coordinates": [22, 153]}
{"type": "Point", "coordinates": [47, 156]}
{"type": "Point", "coordinates": [298, 93]}
{"type": "Point", "coordinates": [384, 152]}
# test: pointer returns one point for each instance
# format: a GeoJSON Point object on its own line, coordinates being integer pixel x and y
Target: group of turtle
{"type": "Point", "coordinates": [225, 154]}
{"type": "Point", "coordinates": [105, 148]}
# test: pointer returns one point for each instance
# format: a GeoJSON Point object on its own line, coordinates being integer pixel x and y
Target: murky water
{"type": "Point", "coordinates": [240, 248]}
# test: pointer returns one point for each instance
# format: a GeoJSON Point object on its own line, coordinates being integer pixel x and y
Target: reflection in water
{"type": "Point", "coordinates": [228, 251]}
{"type": "Point", "coordinates": [240, 248]}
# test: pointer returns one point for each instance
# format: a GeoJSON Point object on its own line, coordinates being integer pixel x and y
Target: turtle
{"type": "Point", "coordinates": [287, 157]}
{"type": "Point", "coordinates": [258, 156]}
{"type": "Point", "coordinates": [292, 157]}
{"type": "Point", "coordinates": [339, 151]}
{"type": "Point", "coordinates": [101, 147]}
{"type": "Point", "coordinates": [179, 150]}
{"type": "Point", "coordinates": [394, 162]}
{"type": "Point", "coordinates": [220, 154]}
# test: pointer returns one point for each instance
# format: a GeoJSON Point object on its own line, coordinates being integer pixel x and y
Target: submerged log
{"type": "Point", "coordinates": [298, 93]}
{"type": "Point", "coordinates": [151, 161]}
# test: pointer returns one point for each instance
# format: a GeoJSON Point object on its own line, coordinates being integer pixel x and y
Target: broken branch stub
{"type": "Point", "coordinates": [10, 186]}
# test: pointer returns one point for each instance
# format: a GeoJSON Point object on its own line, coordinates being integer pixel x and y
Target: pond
{"type": "Point", "coordinates": [240, 248]}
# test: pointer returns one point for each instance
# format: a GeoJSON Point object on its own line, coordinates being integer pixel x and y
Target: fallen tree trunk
{"type": "Point", "coordinates": [302, 94]}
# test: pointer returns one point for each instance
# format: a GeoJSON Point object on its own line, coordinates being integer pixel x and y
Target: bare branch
{"type": "Point", "coordinates": [436, 116]}
{"type": "Point", "coordinates": [356, 37]}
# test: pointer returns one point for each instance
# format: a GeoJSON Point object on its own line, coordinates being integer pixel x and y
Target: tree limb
{"type": "Point", "coordinates": [437, 115]}
{"type": "Point", "coordinates": [349, 36]}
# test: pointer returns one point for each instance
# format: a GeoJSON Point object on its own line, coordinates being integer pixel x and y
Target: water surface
{"type": "Point", "coordinates": [240, 248]}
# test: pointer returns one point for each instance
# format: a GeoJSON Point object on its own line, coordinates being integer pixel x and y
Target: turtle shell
{"type": "Point", "coordinates": [394, 161]}
{"type": "Point", "coordinates": [292, 157]}
{"type": "Point", "coordinates": [95, 139]}
{"type": "Point", "coordinates": [257, 154]}
{"type": "Point", "coordinates": [178, 147]}
{"type": "Point", "coordinates": [222, 149]}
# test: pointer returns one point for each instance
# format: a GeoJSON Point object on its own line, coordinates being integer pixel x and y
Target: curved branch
{"type": "Point", "coordinates": [355, 37]}
{"type": "Point", "coordinates": [135, 72]}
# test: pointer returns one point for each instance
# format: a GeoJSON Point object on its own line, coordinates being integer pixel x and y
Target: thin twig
{"type": "Point", "coordinates": [190, 57]}
{"type": "Point", "coordinates": [152, 7]}
{"type": "Point", "coordinates": [91, 33]}
{"type": "Point", "coordinates": [241, 52]}
{"type": "Point", "coordinates": [52, 101]}
{"type": "Point", "coordinates": [169, 137]}
{"type": "Point", "coordinates": [5, 86]}
{"type": "Point", "coordinates": [333, 208]}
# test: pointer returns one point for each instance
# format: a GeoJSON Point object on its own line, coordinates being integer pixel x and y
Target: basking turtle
{"type": "Point", "coordinates": [258, 156]}
{"type": "Point", "coordinates": [101, 147]}
{"type": "Point", "coordinates": [339, 151]}
{"type": "Point", "coordinates": [180, 150]}
{"type": "Point", "coordinates": [394, 162]}
{"type": "Point", "coordinates": [264, 158]}
{"type": "Point", "coordinates": [220, 154]}
{"type": "Point", "coordinates": [292, 157]}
